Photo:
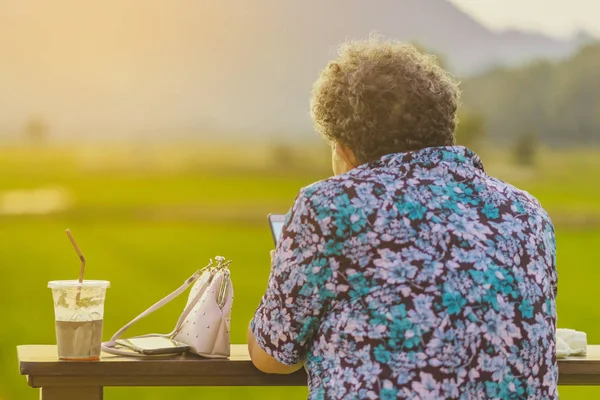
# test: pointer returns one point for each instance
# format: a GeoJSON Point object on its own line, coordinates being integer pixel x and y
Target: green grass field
{"type": "Point", "coordinates": [147, 229]}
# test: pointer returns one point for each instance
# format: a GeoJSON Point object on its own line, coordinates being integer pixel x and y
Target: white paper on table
{"type": "Point", "coordinates": [570, 342]}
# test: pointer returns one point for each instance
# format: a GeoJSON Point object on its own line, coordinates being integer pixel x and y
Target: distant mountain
{"type": "Point", "coordinates": [237, 66]}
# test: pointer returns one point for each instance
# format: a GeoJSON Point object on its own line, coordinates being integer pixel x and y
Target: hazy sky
{"type": "Point", "coordinates": [151, 65]}
{"type": "Point", "coordinates": [554, 17]}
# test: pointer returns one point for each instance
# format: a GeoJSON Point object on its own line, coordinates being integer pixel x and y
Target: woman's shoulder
{"type": "Point", "coordinates": [339, 189]}
{"type": "Point", "coordinates": [329, 187]}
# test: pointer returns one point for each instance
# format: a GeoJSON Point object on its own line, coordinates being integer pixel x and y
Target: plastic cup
{"type": "Point", "coordinates": [79, 313]}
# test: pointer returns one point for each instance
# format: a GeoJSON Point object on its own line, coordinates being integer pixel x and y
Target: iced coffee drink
{"type": "Point", "coordinates": [79, 312]}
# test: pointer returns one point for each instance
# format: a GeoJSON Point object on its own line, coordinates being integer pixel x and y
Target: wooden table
{"type": "Point", "coordinates": [84, 380]}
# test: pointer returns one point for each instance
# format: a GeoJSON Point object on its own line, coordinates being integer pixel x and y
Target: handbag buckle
{"type": "Point", "coordinates": [223, 265]}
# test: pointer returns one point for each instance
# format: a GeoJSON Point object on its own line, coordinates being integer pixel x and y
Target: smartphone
{"type": "Point", "coordinates": [276, 222]}
{"type": "Point", "coordinates": [154, 345]}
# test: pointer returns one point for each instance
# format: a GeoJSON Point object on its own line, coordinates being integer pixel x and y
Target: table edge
{"type": "Point", "coordinates": [576, 366]}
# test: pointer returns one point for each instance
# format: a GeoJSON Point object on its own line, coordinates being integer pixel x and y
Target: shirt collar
{"type": "Point", "coordinates": [431, 156]}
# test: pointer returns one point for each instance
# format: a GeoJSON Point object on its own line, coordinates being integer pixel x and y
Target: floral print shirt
{"type": "Point", "coordinates": [416, 277]}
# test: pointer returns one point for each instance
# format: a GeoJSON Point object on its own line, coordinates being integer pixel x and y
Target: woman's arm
{"type": "Point", "coordinates": [266, 363]}
{"type": "Point", "coordinates": [298, 292]}
{"type": "Point", "coordinates": [261, 359]}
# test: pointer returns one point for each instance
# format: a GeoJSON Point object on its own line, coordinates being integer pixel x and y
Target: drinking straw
{"type": "Point", "coordinates": [82, 268]}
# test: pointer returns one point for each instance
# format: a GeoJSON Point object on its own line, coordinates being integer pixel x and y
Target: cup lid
{"type": "Point", "coordinates": [88, 284]}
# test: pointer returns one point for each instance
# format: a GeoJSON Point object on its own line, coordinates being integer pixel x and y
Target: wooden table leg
{"type": "Point", "coordinates": [71, 393]}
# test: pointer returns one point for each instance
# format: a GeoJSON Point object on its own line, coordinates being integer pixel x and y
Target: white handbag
{"type": "Point", "coordinates": [204, 324]}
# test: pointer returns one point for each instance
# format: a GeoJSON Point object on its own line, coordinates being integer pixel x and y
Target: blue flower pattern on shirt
{"type": "Point", "coordinates": [417, 277]}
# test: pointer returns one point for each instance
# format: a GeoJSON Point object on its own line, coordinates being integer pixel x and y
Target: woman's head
{"type": "Point", "coordinates": [380, 97]}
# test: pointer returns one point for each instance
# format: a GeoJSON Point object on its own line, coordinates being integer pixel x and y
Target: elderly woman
{"type": "Point", "coordinates": [411, 273]}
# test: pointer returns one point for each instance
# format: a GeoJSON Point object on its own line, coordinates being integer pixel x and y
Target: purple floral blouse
{"type": "Point", "coordinates": [415, 277]}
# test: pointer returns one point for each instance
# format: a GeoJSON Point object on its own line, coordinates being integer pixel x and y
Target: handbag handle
{"type": "Point", "coordinates": [109, 346]}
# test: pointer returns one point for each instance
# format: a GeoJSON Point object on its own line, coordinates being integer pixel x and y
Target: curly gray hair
{"type": "Point", "coordinates": [380, 97]}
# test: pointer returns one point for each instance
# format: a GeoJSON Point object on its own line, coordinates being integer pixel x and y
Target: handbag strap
{"type": "Point", "coordinates": [112, 342]}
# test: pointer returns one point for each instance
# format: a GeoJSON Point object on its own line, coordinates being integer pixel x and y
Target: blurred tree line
{"type": "Point", "coordinates": [557, 104]}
